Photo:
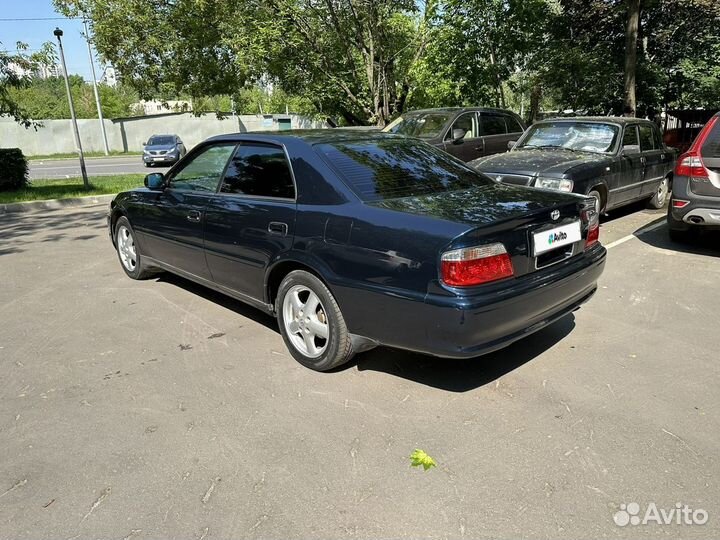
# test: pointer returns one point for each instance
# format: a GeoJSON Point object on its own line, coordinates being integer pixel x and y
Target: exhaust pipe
{"type": "Point", "coordinates": [696, 220]}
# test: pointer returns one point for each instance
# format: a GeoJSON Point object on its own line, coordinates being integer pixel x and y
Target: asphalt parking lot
{"type": "Point", "coordinates": [162, 409]}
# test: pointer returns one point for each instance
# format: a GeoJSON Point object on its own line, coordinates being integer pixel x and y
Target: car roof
{"type": "Point", "coordinates": [310, 136]}
{"type": "Point", "coordinates": [458, 109]}
{"type": "Point", "coordinates": [622, 120]}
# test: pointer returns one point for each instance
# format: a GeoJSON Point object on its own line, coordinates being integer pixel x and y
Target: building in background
{"type": "Point", "coordinates": [109, 77]}
{"type": "Point", "coordinates": [155, 106]}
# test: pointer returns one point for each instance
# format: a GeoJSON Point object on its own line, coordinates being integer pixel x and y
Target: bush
{"type": "Point", "coordinates": [13, 169]}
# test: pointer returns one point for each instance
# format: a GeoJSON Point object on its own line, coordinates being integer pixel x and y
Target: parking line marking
{"type": "Point", "coordinates": [635, 235]}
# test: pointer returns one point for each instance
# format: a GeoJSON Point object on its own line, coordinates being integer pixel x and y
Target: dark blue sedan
{"type": "Point", "coordinates": [356, 239]}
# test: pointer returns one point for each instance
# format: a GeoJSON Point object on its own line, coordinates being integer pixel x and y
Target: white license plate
{"type": "Point", "coordinates": [158, 159]}
{"type": "Point", "coordinates": [557, 237]}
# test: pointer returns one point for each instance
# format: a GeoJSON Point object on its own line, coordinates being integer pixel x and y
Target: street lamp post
{"type": "Point", "coordinates": [58, 34]}
{"type": "Point", "coordinates": [95, 87]}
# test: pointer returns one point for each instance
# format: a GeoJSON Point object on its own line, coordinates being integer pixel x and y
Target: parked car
{"type": "Point", "coordinates": [614, 160]}
{"type": "Point", "coordinates": [163, 149]}
{"type": "Point", "coordinates": [354, 239]}
{"type": "Point", "coordinates": [467, 133]}
{"type": "Point", "coordinates": [695, 198]}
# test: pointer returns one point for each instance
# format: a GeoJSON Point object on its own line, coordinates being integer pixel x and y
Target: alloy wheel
{"type": "Point", "coordinates": [126, 248]}
{"type": "Point", "coordinates": [306, 322]}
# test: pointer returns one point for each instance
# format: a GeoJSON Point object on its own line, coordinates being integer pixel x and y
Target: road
{"type": "Point", "coordinates": [66, 168]}
{"type": "Point", "coordinates": [162, 409]}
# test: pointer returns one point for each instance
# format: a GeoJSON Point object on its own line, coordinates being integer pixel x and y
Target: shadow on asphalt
{"type": "Point", "coordinates": [464, 375]}
{"type": "Point", "coordinates": [442, 373]}
{"type": "Point", "coordinates": [17, 229]}
{"type": "Point", "coordinates": [702, 243]}
{"type": "Point", "coordinates": [638, 206]}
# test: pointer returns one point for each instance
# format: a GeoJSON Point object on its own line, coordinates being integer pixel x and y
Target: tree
{"type": "Point", "coordinates": [631, 37]}
{"type": "Point", "coordinates": [15, 72]}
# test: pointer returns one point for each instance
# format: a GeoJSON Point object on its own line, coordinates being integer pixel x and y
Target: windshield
{"type": "Point", "coordinates": [423, 125]}
{"type": "Point", "coordinates": [389, 168]}
{"type": "Point", "coordinates": [583, 136]}
{"type": "Point", "coordinates": [161, 141]}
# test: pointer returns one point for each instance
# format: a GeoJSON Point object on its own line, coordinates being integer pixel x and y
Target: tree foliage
{"type": "Point", "coordinates": [15, 73]}
{"type": "Point", "coordinates": [368, 60]}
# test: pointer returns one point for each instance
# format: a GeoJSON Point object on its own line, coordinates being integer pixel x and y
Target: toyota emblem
{"type": "Point", "coordinates": [555, 215]}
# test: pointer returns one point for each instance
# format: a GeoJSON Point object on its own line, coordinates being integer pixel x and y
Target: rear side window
{"type": "Point", "coordinates": [513, 126]}
{"type": "Point", "coordinates": [389, 168]}
{"type": "Point", "coordinates": [647, 140]}
{"type": "Point", "coordinates": [493, 124]}
{"type": "Point", "coordinates": [711, 148]}
{"type": "Point", "coordinates": [259, 170]}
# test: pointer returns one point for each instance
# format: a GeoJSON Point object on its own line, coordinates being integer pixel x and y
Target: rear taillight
{"type": "Point", "coordinates": [476, 265]}
{"type": "Point", "coordinates": [592, 218]}
{"type": "Point", "coordinates": [690, 164]}
{"type": "Point", "coordinates": [678, 203]}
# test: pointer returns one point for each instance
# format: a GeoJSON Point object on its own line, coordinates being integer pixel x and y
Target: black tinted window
{"type": "Point", "coordinates": [260, 170]}
{"type": "Point", "coordinates": [711, 148]}
{"type": "Point", "coordinates": [630, 138]}
{"type": "Point", "coordinates": [390, 168]}
{"type": "Point", "coordinates": [493, 124]}
{"type": "Point", "coordinates": [647, 140]}
{"type": "Point", "coordinates": [513, 126]}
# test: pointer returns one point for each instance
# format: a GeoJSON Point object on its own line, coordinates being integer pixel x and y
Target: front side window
{"type": "Point", "coordinates": [383, 169]}
{"type": "Point", "coordinates": [259, 170]}
{"type": "Point", "coordinates": [493, 124]}
{"type": "Point", "coordinates": [583, 136]}
{"type": "Point", "coordinates": [468, 123]}
{"type": "Point", "coordinates": [630, 138]}
{"type": "Point", "coordinates": [513, 126]}
{"type": "Point", "coordinates": [203, 172]}
{"type": "Point", "coordinates": [647, 141]}
{"type": "Point", "coordinates": [422, 125]}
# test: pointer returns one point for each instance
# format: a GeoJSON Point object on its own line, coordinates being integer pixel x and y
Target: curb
{"type": "Point", "coordinates": [55, 204]}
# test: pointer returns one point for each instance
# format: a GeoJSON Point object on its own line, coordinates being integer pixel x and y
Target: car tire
{"type": "Point", "coordinates": [594, 193]}
{"type": "Point", "coordinates": [128, 252]}
{"type": "Point", "coordinates": [146, 163]}
{"type": "Point", "coordinates": [660, 196]}
{"type": "Point", "coordinates": [311, 323]}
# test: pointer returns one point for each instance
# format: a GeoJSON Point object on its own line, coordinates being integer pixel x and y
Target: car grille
{"type": "Point", "coordinates": [514, 179]}
{"type": "Point", "coordinates": [158, 152]}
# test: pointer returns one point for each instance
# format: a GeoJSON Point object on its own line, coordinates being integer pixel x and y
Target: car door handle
{"type": "Point", "coordinates": [276, 227]}
{"type": "Point", "coordinates": [194, 216]}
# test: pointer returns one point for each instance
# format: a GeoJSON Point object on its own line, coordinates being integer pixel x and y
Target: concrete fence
{"type": "Point", "coordinates": [129, 134]}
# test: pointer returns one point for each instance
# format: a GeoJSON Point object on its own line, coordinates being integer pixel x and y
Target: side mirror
{"type": "Point", "coordinates": [155, 181]}
{"type": "Point", "coordinates": [511, 144]}
{"type": "Point", "coordinates": [630, 149]}
{"type": "Point", "coordinates": [144, 143]}
{"type": "Point", "coordinates": [458, 135]}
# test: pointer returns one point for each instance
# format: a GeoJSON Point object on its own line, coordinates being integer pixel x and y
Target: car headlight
{"type": "Point", "coordinates": [558, 184]}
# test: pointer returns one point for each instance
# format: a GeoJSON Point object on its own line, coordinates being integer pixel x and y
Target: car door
{"type": "Point", "coordinates": [251, 219]}
{"type": "Point", "coordinates": [470, 146]}
{"type": "Point", "coordinates": [627, 185]}
{"type": "Point", "coordinates": [172, 222]}
{"type": "Point", "coordinates": [494, 133]}
{"type": "Point", "coordinates": [654, 154]}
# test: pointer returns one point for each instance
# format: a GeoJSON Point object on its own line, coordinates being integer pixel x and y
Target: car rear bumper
{"type": "Point", "coordinates": [701, 210]}
{"type": "Point", "coordinates": [464, 327]}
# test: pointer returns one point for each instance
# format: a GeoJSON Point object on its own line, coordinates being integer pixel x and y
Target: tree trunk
{"type": "Point", "coordinates": [631, 38]}
{"type": "Point", "coordinates": [535, 97]}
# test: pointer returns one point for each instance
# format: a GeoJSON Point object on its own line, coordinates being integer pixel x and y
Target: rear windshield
{"type": "Point", "coordinates": [422, 125]}
{"type": "Point", "coordinates": [711, 148]}
{"type": "Point", "coordinates": [389, 168]}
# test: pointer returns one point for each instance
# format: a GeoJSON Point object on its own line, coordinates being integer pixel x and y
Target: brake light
{"type": "Point", "coordinates": [690, 163]}
{"type": "Point", "coordinates": [592, 218]}
{"type": "Point", "coordinates": [677, 203]}
{"type": "Point", "coordinates": [476, 265]}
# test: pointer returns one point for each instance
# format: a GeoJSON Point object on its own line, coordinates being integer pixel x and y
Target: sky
{"type": "Point", "coordinates": [36, 32]}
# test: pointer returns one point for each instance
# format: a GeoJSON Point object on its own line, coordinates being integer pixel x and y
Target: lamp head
{"type": "Point", "coordinates": [57, 32]}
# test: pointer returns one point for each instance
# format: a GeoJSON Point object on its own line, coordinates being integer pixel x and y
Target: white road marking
{"type": "Point", "coordinates": [634, 235]}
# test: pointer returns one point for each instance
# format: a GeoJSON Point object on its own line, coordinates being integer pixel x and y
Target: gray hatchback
{"type": "Point", "coordinates": [695, 201]}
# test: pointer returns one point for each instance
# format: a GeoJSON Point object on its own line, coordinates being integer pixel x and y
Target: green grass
{"type": "Point", "coordinates": [67, 188]}
{"type": "Point", "coordinates": [74, 155]}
